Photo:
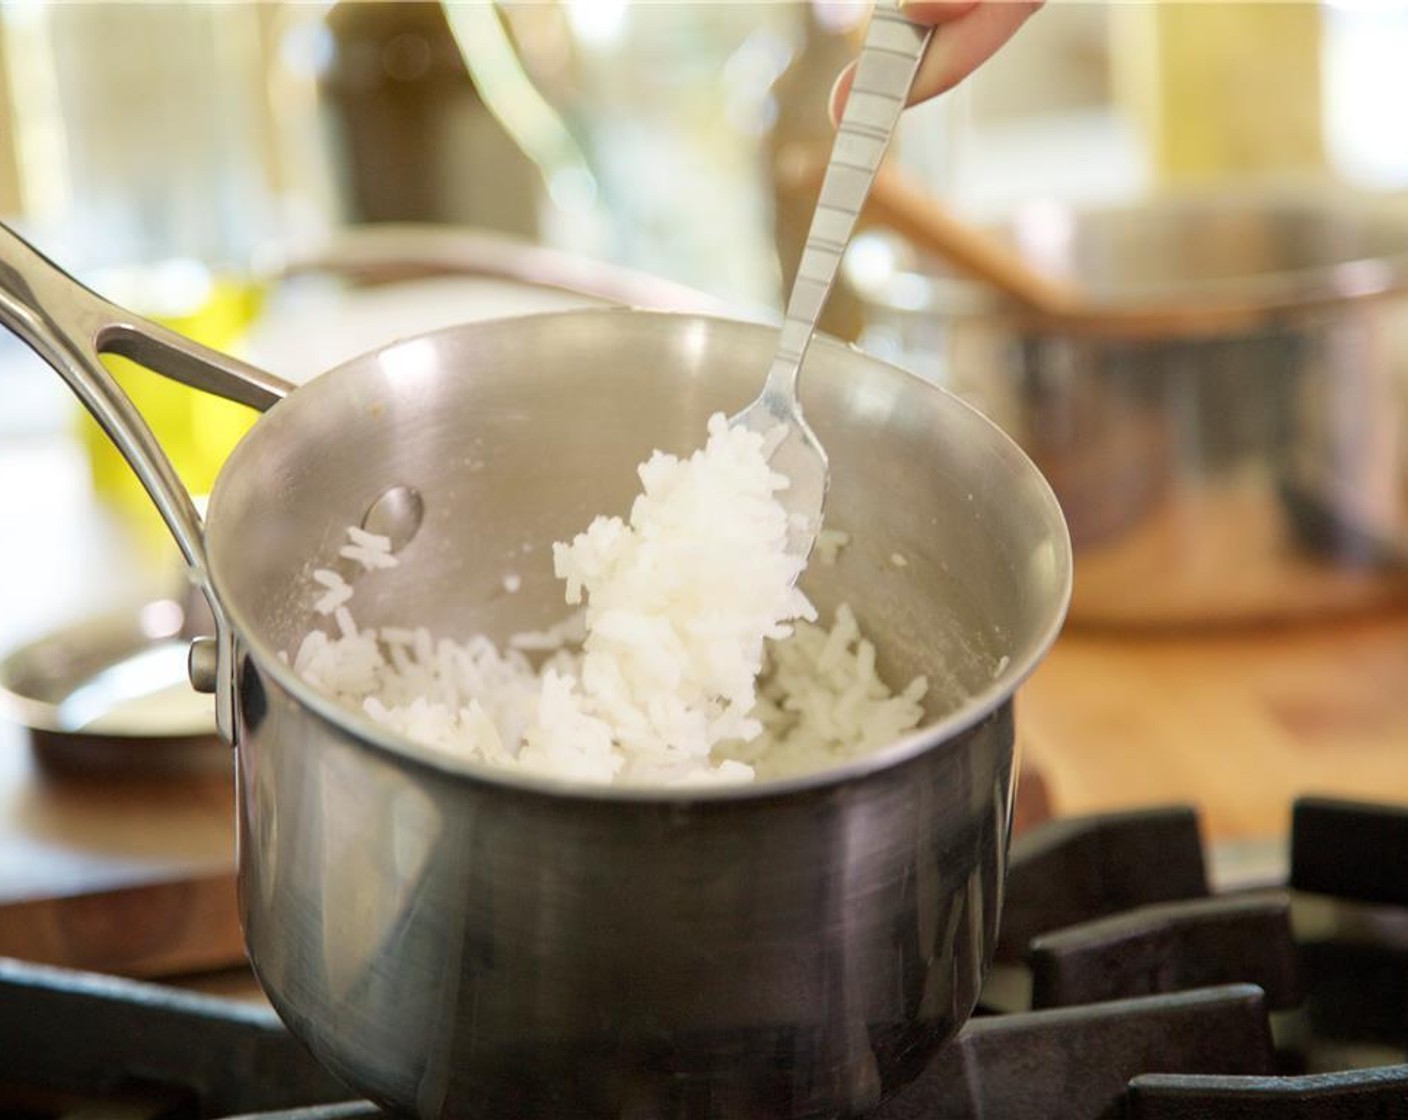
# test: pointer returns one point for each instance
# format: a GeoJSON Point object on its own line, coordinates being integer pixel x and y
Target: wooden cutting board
{"type": "Point", "coordinates": [131, 874]}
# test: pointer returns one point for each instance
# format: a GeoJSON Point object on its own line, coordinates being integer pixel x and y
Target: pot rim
{"type": "Point", "coordinates": [999, 690]}
{"type": "Point", "coordinates": [1212, 305]}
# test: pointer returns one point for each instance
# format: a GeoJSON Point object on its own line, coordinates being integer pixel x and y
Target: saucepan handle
{"type": "Point", "coordinates": [69, 326]}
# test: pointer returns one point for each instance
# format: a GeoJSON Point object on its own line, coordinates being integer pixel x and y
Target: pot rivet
{"type": "Point", "coordinates": [202, 664]}
{"type": "Point", "coordinates": [395, 515]}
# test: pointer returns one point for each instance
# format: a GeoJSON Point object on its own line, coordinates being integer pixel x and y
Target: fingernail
{"type": "Point", "coordinates": [836, 101]}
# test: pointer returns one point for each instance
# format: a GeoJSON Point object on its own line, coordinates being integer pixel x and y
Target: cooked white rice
{"type": "Point", "coordinates": [829, 543]}
{"type": "Point", "coordinates": [337, 593]}
{"type": "Point", "coordinates": [371, 550]}
{"type": "Point", "coordinates": [656, 679]}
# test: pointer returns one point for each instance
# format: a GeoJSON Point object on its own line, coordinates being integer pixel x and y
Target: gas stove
{"type": "Point", "coordinates": [1124, 985]}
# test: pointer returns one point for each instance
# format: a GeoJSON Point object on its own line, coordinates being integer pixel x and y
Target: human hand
{"type": "Point", "coordinates": [968, 33]}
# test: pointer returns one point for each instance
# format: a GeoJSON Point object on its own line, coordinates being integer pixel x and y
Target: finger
{"type": "Point", "coordinates": [973, 31]}
{"type": "Point", "coordinates": [840, 91]}
{"type": "Point", "coordinates": [936, 11]}
{"type": "Point", "coordinates": [960, 47]}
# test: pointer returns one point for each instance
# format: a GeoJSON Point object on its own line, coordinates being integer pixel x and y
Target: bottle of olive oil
{"type": "Point", "coordinates": [141, 139]}
{"type": "Point", "coordinates": [195, 429]}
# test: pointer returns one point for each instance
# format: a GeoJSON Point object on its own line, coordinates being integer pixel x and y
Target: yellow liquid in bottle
{"type": "Point", "coordinates": [195, 429]}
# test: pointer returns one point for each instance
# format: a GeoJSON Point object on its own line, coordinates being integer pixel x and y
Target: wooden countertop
{"type": "Point", "coordinates": [1237, 723]}
{"type": "Point", "coordinates": [131, 874]}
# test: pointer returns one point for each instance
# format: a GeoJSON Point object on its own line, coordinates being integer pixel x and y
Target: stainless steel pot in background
{"type": "Point", "coordinates": [456, 940]}
{"type": "Point", "coordinates": [1228, 433]}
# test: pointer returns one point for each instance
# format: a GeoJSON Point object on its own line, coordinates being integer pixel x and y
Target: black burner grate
{"type": "Point", "coordinates": [70, 1037]}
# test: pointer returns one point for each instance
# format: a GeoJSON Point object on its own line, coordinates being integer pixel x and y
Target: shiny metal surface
{"type": "Point", "coordinates": [1242, 459]}
{"type": "Point", "coordinates": [455, 948]}
{"type": "Point", "coordinates": [454, 940]}
{"type": "Point", "coordinates": [885, 70]}
{"type": "Point", "coordinates": [385, 252]}
{"type": "Point", "coordinates": [109, 693]}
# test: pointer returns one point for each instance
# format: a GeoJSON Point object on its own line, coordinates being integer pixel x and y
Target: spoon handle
{"type": "Point", "coordinates": [888, 60]}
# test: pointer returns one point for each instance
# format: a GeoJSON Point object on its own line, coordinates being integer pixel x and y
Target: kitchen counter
{"type": "Point", "coordinates": [1235, 722]}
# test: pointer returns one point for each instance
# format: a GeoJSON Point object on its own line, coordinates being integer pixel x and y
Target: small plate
{"type": "Point", "coordinates": [111, 692]}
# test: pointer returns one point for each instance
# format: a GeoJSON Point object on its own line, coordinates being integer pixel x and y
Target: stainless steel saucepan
{"type": "Point", "coordinates": [457, 940]}
{"type": "Point", "coordinates": [1226, 421]}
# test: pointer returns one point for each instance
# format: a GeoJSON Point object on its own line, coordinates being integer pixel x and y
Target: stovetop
{"type": "Point", "coordinates": [1123, 987]}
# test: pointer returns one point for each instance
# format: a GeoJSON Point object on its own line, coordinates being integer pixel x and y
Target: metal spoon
{"type": "Point", "coordinates": [888, 60]}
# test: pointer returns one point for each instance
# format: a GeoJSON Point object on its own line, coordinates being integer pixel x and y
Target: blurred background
{"type": "Point", "coordinates": [224, 138]}
{"type": "Point", "coordinates": [189, 159]}
{"type": "Point", "coordinates": [178, 154]}
{"type": "Point", "coordinates": [167, 145]}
